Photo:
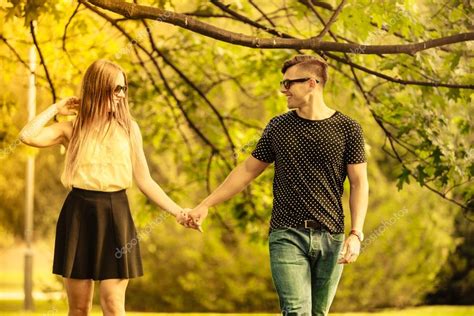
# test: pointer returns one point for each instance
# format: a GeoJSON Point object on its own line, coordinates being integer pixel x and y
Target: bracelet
{"type": "Point", "coordinates": [356, 234]}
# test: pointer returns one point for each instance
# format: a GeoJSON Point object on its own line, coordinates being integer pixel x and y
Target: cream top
{"type": "Point", "coordinates": [105, 164]}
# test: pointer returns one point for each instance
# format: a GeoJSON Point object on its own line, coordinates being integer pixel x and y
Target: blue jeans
{"type": "Point", "coordinates": [305, 269]}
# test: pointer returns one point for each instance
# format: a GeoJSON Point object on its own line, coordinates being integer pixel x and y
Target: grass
{"type": "Point", "coordinates": [11, 280]}
{"type": "Point", "coordinates": [54, 308]}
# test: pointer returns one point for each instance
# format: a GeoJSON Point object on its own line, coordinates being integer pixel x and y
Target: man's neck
{"type": "Point", "coordinates": [316, 109]}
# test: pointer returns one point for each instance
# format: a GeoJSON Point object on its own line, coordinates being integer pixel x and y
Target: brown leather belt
{"type": "Point", "coordinates": [309, 223]}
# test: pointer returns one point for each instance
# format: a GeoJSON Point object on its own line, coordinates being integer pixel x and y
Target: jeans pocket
{"type": "Point", "coordinates": [279, 230]}
{"type": "Point", "coordinates": [278, 234]}
{"type": "Point", "coordinates": [337, 237]}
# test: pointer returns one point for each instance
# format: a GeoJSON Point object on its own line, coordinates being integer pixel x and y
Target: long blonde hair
{"type": "Point", "coordinates": [93, 118]}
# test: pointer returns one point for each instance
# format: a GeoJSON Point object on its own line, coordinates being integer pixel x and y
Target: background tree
{"type": "Point", "coordinates": [202, 103]}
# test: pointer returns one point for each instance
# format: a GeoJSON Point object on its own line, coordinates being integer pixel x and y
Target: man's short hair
{"type": "Point", "coordinates": [309, 63]}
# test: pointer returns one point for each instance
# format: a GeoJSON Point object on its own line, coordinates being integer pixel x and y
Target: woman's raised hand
{"type": "Point", "coordinates": [68, 106]}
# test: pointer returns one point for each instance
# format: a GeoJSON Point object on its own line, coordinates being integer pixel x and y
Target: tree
{"type": "Point", "coordinates": [202, 104]}
{"type": "Point", "coordinates": [415, 134]}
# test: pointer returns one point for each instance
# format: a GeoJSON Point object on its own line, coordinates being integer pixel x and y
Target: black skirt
{"type": "Point", "coordinates": [96, 237]}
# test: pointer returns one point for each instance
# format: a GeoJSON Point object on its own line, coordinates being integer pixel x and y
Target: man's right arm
{"type": "Point", "coordinates": [235, 183]}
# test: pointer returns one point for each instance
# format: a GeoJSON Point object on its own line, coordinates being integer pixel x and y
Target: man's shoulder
{"type": "Point", "coordinates": [348, 121]}
{"type": "Point", "coordinates": [277, 120]}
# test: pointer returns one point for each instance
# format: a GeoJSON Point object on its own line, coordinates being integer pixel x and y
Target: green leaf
{"type": "Point", "coordinates": [421, 175]}
{"type": "Point", "coordinates": [403, 178]}
{"type": "Point", "coordinates": [436, 156]}
{"type": "Point", "coordinates": [456, 57]}
{"type": "Point", "coordinates": [389, 64]}
{"type": "Point", "coordinates": [453, 94]}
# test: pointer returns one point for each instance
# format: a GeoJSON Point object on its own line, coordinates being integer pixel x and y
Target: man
{"type": "Point", "coordinates": [314, 147]}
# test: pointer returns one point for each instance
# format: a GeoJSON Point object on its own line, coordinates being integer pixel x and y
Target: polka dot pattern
{"type": "Point", "coordinates": [310, 159]}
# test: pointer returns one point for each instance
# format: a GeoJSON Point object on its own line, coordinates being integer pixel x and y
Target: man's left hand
{"type": "Point", "coordinates": [350, 250]}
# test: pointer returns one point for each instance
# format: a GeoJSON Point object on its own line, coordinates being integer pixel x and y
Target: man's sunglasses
{"type": "Point", "coordinates": [287, 83]}
{"type": "Point", "coordinates": [119, 88]}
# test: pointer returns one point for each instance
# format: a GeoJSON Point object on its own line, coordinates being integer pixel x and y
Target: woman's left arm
{"type": "Point", "coordinates": [145, 182]}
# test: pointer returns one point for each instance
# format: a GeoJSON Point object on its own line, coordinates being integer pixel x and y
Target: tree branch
{"type": "Point", "coordinates": [322, 4]}
{"type": "Point", "coordinates": [335, 57]}
{"type": "Point", "coordinates": [331, 20]}
{"type": "Point", "coordinates": [18, 57]}
{"type": "Point", "coordinates": [136, 11]}
{"type": "Point", "coordinates": [33, 36]}
{"type": "Point", "coordinates": [167, 87]}
{"type": "Point", "coordinates": [200, 14]}
{"type": "Point", "coordinates": [400, 81]}
{"type": "Point", "coordinates": [193, 86]}
{"type": "Point", "coordinates": [392, 145]}
{"type": "Point", "coordinates": [14, 51]}
{"type": "Point", "coordinates": [64, 39]}
{"type": "Point", "coordinates": [378, 119]}
{"type": "Point", "coordinates": [248, 21]}
{"type": "Point", "coordinates": [262, 13]}
{"type": "Point", "coordinates": [168, 103]}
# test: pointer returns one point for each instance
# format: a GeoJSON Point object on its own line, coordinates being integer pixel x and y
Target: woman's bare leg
{"type": "Point", "coordinates": [79, 296]}
{"type": "Point", "coordinates": [112, 296]}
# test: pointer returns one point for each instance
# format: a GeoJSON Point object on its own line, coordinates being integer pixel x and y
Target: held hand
{"type": "Point", "coordinates": [68, 106]}
{"type": "Point", "coordinates": [182, 216]}
{"type": "Point", "coordinates": [197, 217]}
{"type": "Point", "coordinates": [350, 250]}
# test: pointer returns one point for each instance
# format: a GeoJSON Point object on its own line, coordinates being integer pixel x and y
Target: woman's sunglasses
{"type": "Point", "coordinates": [119, 88]}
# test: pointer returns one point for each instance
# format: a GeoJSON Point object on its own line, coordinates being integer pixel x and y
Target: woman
{"type": "Point", "coordinates": [95, 234]}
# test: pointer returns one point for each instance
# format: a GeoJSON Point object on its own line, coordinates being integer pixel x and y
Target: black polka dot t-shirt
{"type": "Point", "coordinates": [311, 157]}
